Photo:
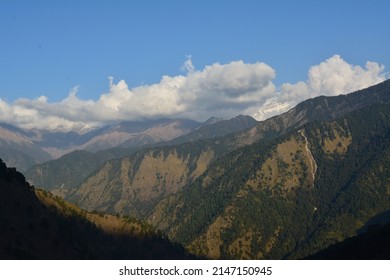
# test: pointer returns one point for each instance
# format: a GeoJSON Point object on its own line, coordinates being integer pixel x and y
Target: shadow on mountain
{"type": "Point", "coordinates": [377, 221]}
{"type": "Point", "coordinates": [374, 244]}
{"type": "Point", "coordinates": [31, 230]}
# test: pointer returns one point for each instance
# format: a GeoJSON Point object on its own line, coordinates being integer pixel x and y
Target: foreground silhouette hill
{"type": "Point", "coordinates": [31, 229]}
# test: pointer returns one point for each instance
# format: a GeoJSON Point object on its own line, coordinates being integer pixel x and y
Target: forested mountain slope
{"type": "Point", "coordinates": [286, 188]}
{"type": "Point", "coordinates": [315, 109]}
{"type": "Point", "coordinates": [288, 197]}
{"type": "Point", "coordinates": [68, 171]}
{"type": "Point", "coordinates": [135, 184]}
{"type": "Point", "coordinates": [71, 170]}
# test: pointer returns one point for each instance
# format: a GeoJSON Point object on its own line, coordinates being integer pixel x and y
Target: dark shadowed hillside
{"type": "Point", "coordinates": [33, 230]}
{"type": "Point", "coordinates": [373, 245]}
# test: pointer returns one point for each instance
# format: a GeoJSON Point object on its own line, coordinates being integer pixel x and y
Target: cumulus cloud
{"type": "Point", "coordinates": [222, 90]}
{"type": "Point", "coordinates": [333, 76]}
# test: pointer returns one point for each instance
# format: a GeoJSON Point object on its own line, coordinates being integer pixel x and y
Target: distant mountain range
{"type": "Point", "coordinates": [24, 148]}
{"type": "Point", "coordinates": [284, 188]}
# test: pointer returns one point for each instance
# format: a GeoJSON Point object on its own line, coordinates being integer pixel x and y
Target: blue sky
{"type": "Point", "coordinates": [52, 48]}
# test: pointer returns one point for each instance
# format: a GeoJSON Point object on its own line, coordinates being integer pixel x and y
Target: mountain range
{"type": "Point", "coordinates": [22, 148]}
{"type": "Point", "coordinates": [284, 188]}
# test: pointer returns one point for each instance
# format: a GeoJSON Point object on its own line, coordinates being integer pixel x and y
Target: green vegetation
{"type": "Point", "coordinates": [67, 172]}
{"type": "Point", "coordinates": [284, 189]}
{"type": "Point", "coordinates": [350, 186]}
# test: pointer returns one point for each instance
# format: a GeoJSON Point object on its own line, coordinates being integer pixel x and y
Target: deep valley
{"type": "Point", "coordinates": [284, 188]}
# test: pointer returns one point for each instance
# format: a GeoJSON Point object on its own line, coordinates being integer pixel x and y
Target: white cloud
{"type": "Point", "coordinates": [335, 76]}
{"type": "Point", "coordinates": [222, 90]}
{"type": "Point", "coordinates": [331, 77]}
